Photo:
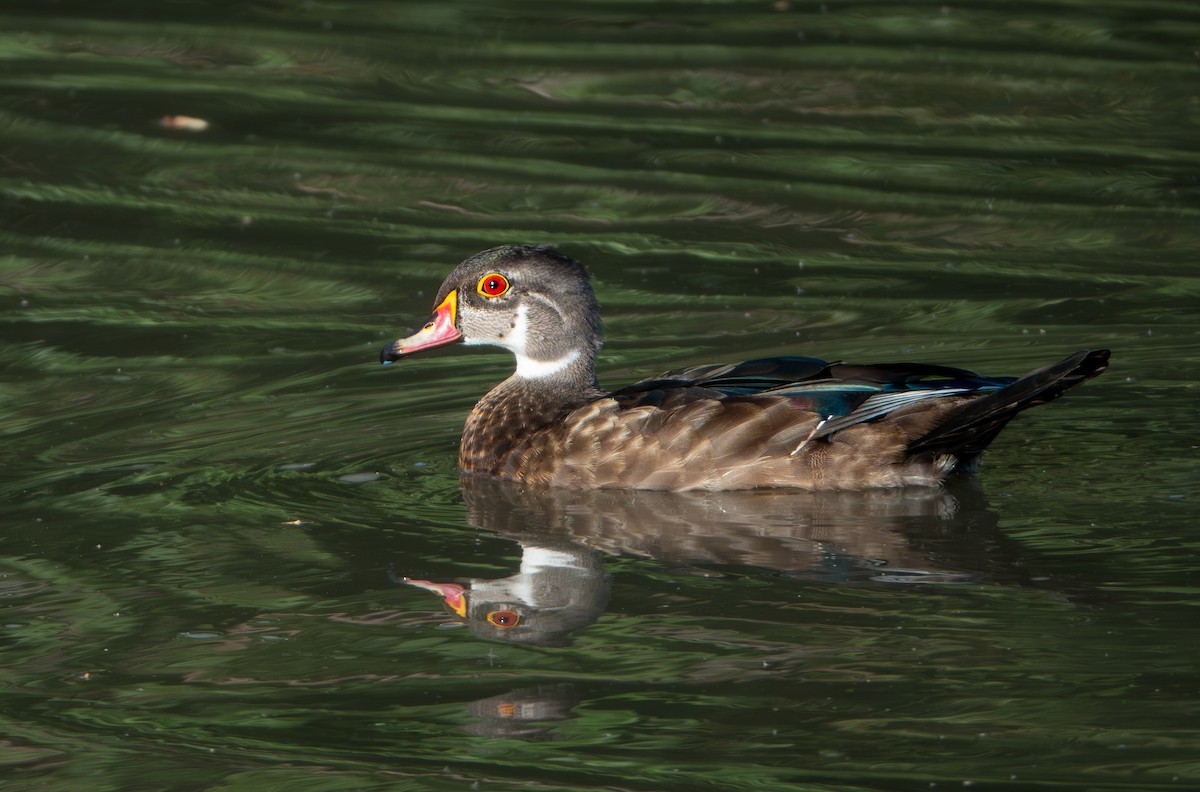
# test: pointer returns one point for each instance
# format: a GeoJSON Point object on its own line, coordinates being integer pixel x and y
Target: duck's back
{"type": "Point", "coordinates": [784, 422]}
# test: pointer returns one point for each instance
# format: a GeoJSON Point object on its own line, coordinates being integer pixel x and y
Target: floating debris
{"type": "Point", "coordinates": [185, 123]}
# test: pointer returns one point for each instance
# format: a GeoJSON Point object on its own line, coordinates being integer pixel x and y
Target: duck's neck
{"type": "Point", "coordinates": [537, 397]}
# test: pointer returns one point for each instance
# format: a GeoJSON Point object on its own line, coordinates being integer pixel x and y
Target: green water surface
{"type": "Point", "coordinates": [209, 487]}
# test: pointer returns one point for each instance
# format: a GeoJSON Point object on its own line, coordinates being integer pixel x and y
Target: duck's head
{"type": "Point", "coordinates": [533, 301]}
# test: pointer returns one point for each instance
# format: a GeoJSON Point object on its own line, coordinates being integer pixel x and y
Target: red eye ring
{"type": "Point", "coordinates": [493, 285]}
{"type": "Point", "coordinates": [504, 618]}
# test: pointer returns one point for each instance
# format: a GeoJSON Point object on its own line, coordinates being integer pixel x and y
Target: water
{"type": "Point", "coordinates": [210, 488]}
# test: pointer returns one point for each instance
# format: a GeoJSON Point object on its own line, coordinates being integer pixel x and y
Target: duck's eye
{"type": "Point", "coordinates": [504, 618]}
{"type": "Point", "coordinates": [493, 285]}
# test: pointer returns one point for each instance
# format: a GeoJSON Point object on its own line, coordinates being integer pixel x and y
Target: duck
{"type": "Point", "coordinates": [781, 422]}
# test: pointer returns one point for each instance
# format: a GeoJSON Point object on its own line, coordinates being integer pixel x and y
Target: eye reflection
{"type": "Point", "coordinates": [504, 618]}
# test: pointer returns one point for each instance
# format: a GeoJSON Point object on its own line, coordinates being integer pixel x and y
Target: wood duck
{"type": "Point", "coordinates": [794, 422]}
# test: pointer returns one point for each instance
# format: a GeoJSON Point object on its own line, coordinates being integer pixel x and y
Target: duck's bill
{"type": "Point", "coordinates": [452, 594]}
{"type": "Point", "coordinates": [438, 331]}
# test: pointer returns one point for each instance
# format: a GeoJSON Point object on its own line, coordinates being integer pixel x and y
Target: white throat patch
{"type": "Point", "coordinates": [534, 369]}
{"type": "Point", "coordinates": [516, 339]}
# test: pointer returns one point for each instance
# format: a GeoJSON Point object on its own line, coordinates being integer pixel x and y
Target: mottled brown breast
{"type": "Point", "coordinates": [513, 428]}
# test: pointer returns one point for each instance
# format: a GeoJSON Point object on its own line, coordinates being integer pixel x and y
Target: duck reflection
{"type": "Point", "coordinates": [525, 713]}
{"type": "Point", "coordinates": [898, 535]}
{"type": "Point", "coordinates": [559, 588]}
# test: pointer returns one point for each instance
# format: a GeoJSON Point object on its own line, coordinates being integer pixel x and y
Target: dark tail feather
{"type": "Point", "coordinates": [969, 431]}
